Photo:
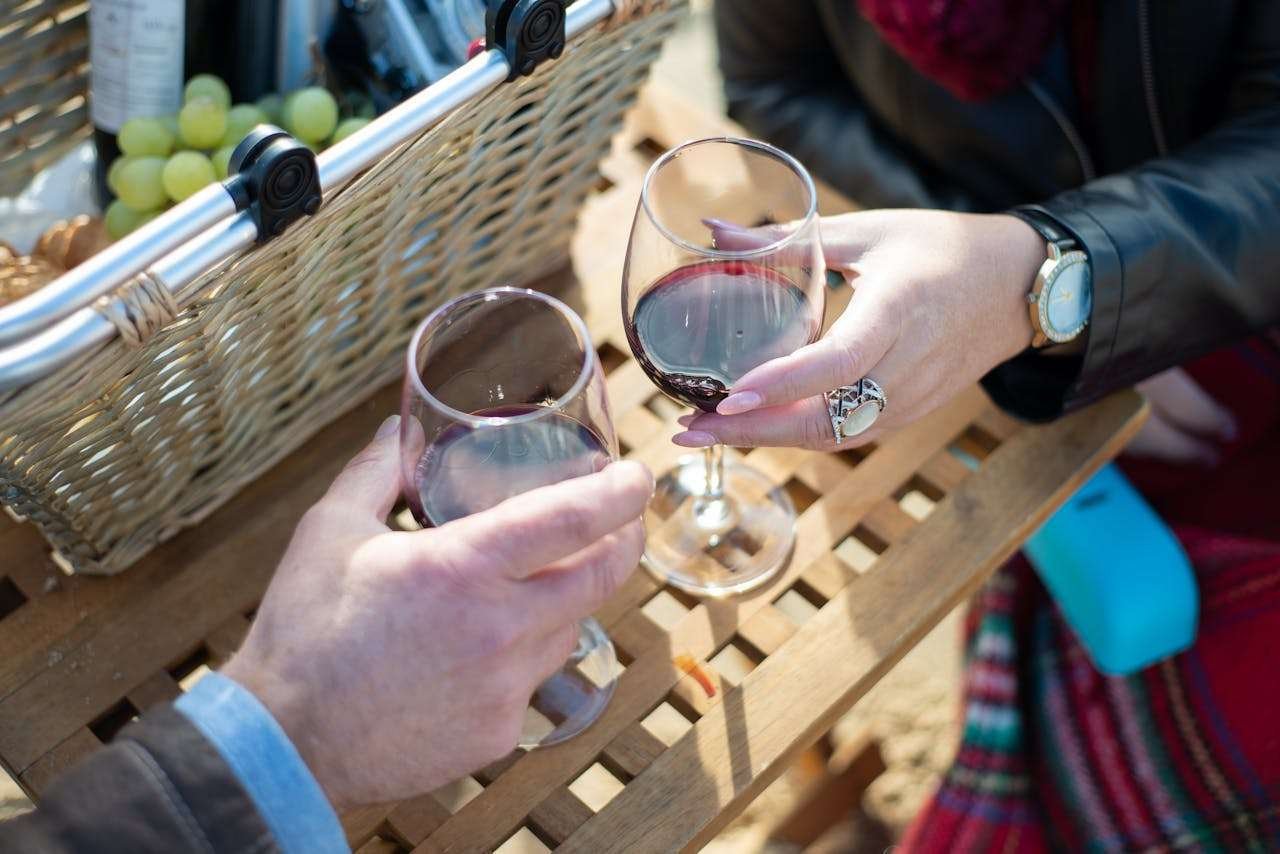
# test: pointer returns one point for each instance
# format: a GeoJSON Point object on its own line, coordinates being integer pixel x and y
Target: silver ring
{"type": "Point", "coordinates": [854, 408]}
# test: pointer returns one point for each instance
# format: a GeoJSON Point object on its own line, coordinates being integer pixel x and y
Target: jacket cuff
{"type": "Point", "coordinates": [1039, 387]}
{"type": "Point", "coordinates": [266, 764]}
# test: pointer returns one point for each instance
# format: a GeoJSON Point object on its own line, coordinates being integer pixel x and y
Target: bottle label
{"type": "Point", "coordinates": [135, 51]}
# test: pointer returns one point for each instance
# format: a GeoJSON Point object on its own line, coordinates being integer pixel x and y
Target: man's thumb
{"type": "Point", "coordinates": [370, 483]}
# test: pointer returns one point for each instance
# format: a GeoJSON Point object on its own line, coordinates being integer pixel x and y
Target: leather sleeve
{"type": "Point", "coordinates": [158, 787]}
{"type": "Point", "coordinates": [1185, 249]}
{"type": "Point", "coordinates": [783, 83]}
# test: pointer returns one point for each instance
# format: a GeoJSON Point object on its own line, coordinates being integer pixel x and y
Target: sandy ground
{"type": "Point", "coordinates": [12, 801]}
{"type": "Point", "coordinates": [913, 709]}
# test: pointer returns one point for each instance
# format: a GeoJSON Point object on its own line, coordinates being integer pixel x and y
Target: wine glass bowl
{"type": "Point", "coordinates": [699, 315]}
{"type": "Point", "coordinates": [503, 393]}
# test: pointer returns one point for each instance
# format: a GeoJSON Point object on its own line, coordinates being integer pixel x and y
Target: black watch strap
{"type": "Point", "coordinates": [1049, 230]}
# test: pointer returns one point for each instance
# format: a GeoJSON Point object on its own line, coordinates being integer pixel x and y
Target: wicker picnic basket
{"type": "Point", "coordinates": [126, 445]}
{"type": "Point", "coordinates": [44, 68]}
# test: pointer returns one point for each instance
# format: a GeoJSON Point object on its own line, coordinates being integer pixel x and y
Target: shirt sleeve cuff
{"type": "Point", "coordinates": [266, 763]}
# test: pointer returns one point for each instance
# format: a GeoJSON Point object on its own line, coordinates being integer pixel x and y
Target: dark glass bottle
{"type": "Point", "coordinates": [141, 52]}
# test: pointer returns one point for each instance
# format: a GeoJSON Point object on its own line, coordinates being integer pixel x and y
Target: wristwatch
{"type": "Point", "coordinates": [1062, 296]}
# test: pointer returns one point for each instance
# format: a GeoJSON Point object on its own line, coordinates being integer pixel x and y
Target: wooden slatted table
{"type": "Point", "coordinates": [890, 539]}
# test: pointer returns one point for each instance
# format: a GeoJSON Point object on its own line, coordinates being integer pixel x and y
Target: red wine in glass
{"type": "Point", "coordinates": [469, 469]}
{"type": "Point", "coordinates": [700, 327]}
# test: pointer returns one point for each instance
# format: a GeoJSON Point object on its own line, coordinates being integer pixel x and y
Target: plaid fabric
{"type": "Point", "coordinates": [1183, 756]}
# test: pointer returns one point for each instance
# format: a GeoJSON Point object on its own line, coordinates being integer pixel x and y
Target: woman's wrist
{"type": "Point", "coordinates": [1020, 251]}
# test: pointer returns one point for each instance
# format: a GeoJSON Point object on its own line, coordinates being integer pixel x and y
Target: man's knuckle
{"type": "Point", "coordinates": [606, 576]}
{"type": "Point", "coordinates": [576, 518]}
{"type": "Point", "coordinates": [500, 638]}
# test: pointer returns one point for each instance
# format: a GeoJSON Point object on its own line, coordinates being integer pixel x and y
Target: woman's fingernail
{"type": "Point", "coordinates": [722, 225]}
{"type": "Point", "coordinates": [694, 439]}
{"type": "Point", "coordinates": [386, 428]}
{"type": "Point", "coordinates": [686, 420]}
{"type": "Point", "coordinates": [739, 402]}
{"type": "Point", "coordinates": [1230, 431]}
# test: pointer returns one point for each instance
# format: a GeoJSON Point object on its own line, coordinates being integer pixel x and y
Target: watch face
{"type": "Point", "coordinates": [1068, 300]}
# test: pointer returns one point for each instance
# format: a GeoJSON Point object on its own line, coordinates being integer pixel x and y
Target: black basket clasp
{"type": "Point", "coordinates": [527, 31]}
{"type": "Point", "coordinates": [275, 178]}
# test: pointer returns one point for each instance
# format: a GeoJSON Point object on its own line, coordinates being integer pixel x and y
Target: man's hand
{"type": "Point", "coordinates": [399, 661]}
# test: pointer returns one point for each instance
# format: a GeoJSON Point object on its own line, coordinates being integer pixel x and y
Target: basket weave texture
{"type": "Point", "coordinates": [44, 75]}
{"type": "Point", "coordinates": [123, 448]}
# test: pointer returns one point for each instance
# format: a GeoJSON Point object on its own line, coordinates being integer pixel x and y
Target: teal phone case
{"type": "Point", "coordinates": [1119, 575]}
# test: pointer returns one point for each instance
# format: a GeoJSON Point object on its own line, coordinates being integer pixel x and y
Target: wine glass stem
{"type": "Point", "coordinates": [712, 510]}
{"type": "Point", "coordinates": [713, 459]}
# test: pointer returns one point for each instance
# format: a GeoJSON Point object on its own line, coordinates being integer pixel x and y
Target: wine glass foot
{"type": "Point", "coordinates": [718, 548]}
{"type": "Point", "coordinates": [574, 696]}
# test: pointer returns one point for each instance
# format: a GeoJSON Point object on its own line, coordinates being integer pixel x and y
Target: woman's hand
{"type": "Point", "coordinates": [1185, 425]}
{"type": "Point", "coordinates": [939, 299]}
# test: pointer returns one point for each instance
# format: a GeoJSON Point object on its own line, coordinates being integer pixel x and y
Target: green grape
{"type": "Point", "coordinates": [171, 122]}
{"type": "Point", "coordinates": [241, 119]}
{"type": "Point", "coordinates": [207, 86]}
{"type": "Point", "coordinates": [140, 184]}
{"type": "Point", "coordinates": [272, 105]}
{"type": "Point", "coordinates": [222, 161]}
{"type": "Point", "coordinates": [203, 123]}
{"type": "Point", "coordinates": [185, 173]}
{"type": "Point", "coordinates": [140, 137]}
{"type": "Point", "coordinates": [346, 127]}
{"type": "Point", "coordinates": [311, 114]}
{"type": "Point", "coordinates": [113, 173]}
{"type": "Point", "coordinates": [120, 219]}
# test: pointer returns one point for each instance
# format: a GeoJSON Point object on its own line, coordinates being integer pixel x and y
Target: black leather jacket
{"type": "Point", "coordinates": [1175, 194]}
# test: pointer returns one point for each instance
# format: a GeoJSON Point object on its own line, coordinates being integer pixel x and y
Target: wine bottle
{"type": "Point", "coordinates": [141, 52]}
{"type": "Point", "coordinates": [136, 68]}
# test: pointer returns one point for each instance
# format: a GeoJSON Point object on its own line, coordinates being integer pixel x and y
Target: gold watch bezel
{"type": "Point", "coordinates": [1037, 304]}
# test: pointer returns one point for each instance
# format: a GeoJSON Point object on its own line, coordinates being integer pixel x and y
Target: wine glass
{"type": "Point", "coordinates": [503, 393]}
{"type": "Point", "coordinates": [698, 318]}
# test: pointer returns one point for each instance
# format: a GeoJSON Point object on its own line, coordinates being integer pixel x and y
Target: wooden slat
{"type": "Point", "coordinates": [559, 815]}
{"type": "Point", "coordinates": [632, 751]}
{"type": "Point", "coordinates": [790, 699]}
{"type": "Point", "coordinates": [226, 638]}
{"type": "Point", "coordinates": [40, 774]}
{"type": "Point", "coordinates": [361, 824]}
{"type": "Point", "coordinates": [888, 521]}
{"type": "Point", "coordinates": [832, 798]}
{"type": "Point", "coordinates": [828, 576]}
{"type": "Point", "coordinates": [635, 634]}
{"type": "Point", "coordinates": [413, 820]}
{"type": "Point", "coordinates": [943, 471]}
{"type": "Point", "coordinates": [157, 688]}
{"type": "Point", "coordinates": [767, 630]}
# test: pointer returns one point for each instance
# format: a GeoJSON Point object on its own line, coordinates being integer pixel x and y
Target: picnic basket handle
{"type": "Point", "coordinates": [68, 318]}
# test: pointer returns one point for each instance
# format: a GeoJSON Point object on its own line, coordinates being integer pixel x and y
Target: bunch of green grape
{"type": "Point", "coordinates": [166, 159]}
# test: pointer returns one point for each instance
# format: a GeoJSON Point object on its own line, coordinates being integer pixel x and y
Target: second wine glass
{"type": "Point", "coordinates": [503, 393]}
{"type": "Point", "coordinates": [699, 317]}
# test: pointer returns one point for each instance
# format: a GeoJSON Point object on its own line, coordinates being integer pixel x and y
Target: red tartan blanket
{"type": "Point", "coordinates": [1182, 756]}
